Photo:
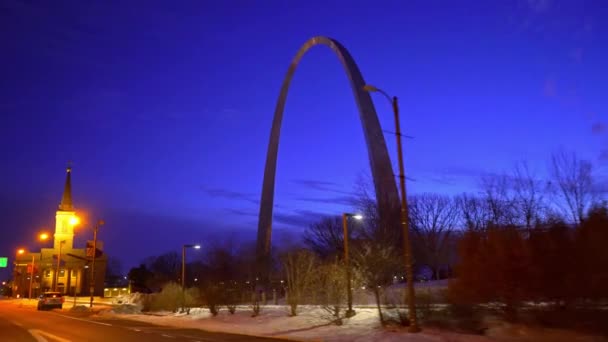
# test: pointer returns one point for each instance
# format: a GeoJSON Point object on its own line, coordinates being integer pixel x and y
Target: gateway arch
{"type": "Point", "coordinates": [382, 172]}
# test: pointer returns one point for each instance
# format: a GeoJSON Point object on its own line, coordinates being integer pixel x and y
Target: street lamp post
{"type": "Point", "coordinates": [75, 287]}
{"type": "Point", "coordinates": [92, 285]}
{"type": "Point", "coordinates": [41, 237]}
{"type": "Point", "coordinates": [184, 272]}
{"type": "Point", "coordinates": [349, 292]}
{"type": "Point", "coordinates": [31, 278]}
{"type": "Point", "coordinates": [184, 263]}
{"type": "Point", "coordinates": [404, 212]}
{"type": "Point", "coordinates": [31, 272]}
{"type": "Point", "coordinates": [20, 251]}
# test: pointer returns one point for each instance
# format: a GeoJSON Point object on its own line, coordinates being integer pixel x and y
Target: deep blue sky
{"type": "Point", "coordinates": [165, 107]}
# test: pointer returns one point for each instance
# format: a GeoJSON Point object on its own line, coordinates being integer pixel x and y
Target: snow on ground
{"type": "Point", "coordinates": [310, 324]}
{"type": "Point", "coordinates": [313, 324]}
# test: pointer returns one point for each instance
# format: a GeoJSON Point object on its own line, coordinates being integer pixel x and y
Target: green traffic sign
{"type": "Point", "coordinates": [3, 261]}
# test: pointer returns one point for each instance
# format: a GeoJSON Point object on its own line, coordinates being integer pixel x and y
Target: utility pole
{"type": "Point", "coordinates": [407, 247]}
{"type": "Point", "coordinates": [31, 278]}
{"type": "Point", "coordinates": [92, 285]}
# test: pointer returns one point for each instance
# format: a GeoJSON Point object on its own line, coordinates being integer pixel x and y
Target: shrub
{"type": "Point", "coordinates": [168, 299]}
{"type": "Point", "coordinates": [255, 305]}
{"type": "Point", "coordinates": [331, 280]}
{"type": "Point", "coordinates": [231, 297]}
{"type": "Point", "coordinates": [212, 297]}
{"type": "Point", "coordinates": [494, 266]}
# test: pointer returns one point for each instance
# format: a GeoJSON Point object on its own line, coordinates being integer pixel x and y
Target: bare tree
{"type": "Point", "coordinates": [331, 280]}
{"type": "Point", "coordinates": [573, 183]}
{"type": "Point", "coordinates": [165, 268]}
{"type": "Point", "coordinates": [497, 198]}
{"type": "Point", "coordinates": [325, 237]}
{"type": "Point", "coordinates": [433, 217]}
{"type": "Point", "coordinates": [365, 203]}
{"type": "Point", "coordinates": [473, 212]}
{"type": "Point", "coordinates": [374, 227]}
{"type": "Point", "coordinates": [299, 268]}
{"type": "Point", "coordinates": [113, 271]}
{"type": "Point", "coordinates": [528, 195]}
{"type": "Point", "coordinates": [376, 263]}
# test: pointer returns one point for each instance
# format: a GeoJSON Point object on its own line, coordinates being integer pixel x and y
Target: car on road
{"type": "Point", "coordinates": [50, 300]}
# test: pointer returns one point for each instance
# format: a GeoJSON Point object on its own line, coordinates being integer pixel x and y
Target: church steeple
{"type": "Point", "coordinates": [66, 200]}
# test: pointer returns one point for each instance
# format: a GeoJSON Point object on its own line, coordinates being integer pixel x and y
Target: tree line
{"type": "Point", "coordinates": [517, 238]}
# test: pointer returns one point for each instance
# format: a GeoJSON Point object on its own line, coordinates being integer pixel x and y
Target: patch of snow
{"type": "Point", "coordinates": [310, 324]}
{"type": "Point", "coordinates": [79, 308]}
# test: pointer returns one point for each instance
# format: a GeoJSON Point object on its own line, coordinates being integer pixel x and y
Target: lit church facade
{"type": "Point", "coordinates": [63, 267]}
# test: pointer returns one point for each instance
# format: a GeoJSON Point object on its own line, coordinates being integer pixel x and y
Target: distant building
{"type": "Point", "coordinates": [74, 270]}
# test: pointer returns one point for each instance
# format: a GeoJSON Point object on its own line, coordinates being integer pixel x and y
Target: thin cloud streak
{"type": "Point", "coordinates": [320, 185]}
{"type": "Point", "coordinates": [347, 200]}
{"type": "Point", "coordinates": [230, 194]}
{"type": "Point", "coordinates": [298, 218]}
{"type": "Point", "coordinates": [240, 212]}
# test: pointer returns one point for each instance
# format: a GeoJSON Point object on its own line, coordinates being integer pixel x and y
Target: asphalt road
{"type": "Point", "coordinates": [25, 324]}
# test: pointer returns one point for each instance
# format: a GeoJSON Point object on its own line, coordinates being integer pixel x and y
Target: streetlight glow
{"type": "Point", "coordinates": [20, 251]}
{"type": "Point", "coordinates": [184, 264]}
{"type": "Point", "coordinates": [43, 236]}
{"type": "Point", "coordinates": [349, 293]}
{"type": "Point", "coordinates": [74, 220]}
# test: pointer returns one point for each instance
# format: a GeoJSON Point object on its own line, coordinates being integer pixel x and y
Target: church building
{"type": "Point", "coordinates": [63, 268]}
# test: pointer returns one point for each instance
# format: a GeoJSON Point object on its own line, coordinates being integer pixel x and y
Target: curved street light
{"type": "Point", "coordinates": [349, 291]}
{"type": "Point", "coordinates": [184, 262]}
{"type": "Point", "coordinates": [404, 212]}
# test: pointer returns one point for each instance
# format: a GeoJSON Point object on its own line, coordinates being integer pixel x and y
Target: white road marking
{"type": "Point", "coordinates": [165, 335]}
{"type": "Point", "coordinates": [85, 320]}
{"type": "Point", "coordinates": [39, 336]}
{"type": "Point", "coordinates": [17, 323]}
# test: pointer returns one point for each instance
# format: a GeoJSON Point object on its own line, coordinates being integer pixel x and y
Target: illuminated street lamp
{"type": "Point", "coordinates": [20, 251]}
{"type": "Point", "coordinates": [184, 263]}
{"type": "Point", "coordinates": [41, 237]}
{"type": "Point", "coordinates": [74, 220]}
{"type": "Point", "coordinates": [350, 312]}
{"type": "Point", "coordinates": [404, 212]}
